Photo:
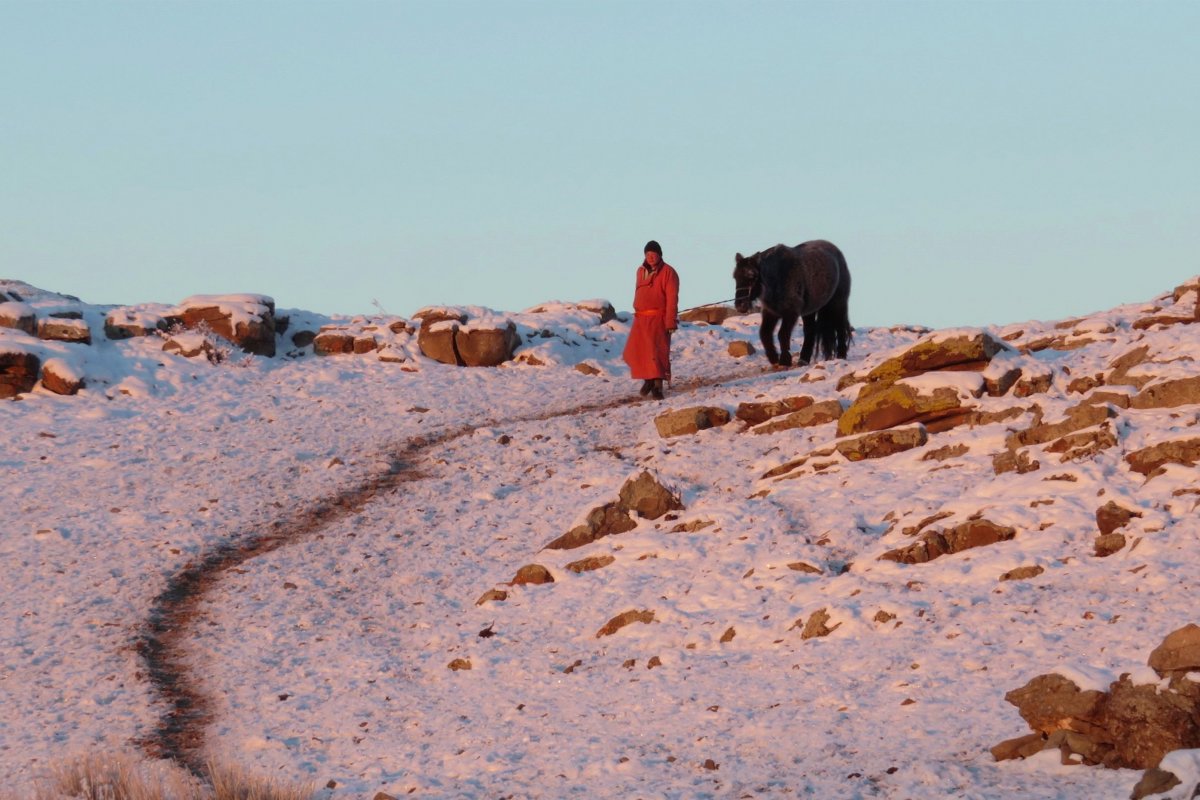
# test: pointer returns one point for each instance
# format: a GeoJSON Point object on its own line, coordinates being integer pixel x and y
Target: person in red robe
{"type": "Point", "coordinates": [655, 310]}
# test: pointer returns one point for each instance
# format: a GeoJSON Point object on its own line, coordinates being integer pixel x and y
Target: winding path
{"type": "Point", "coordinates": [181, 730]}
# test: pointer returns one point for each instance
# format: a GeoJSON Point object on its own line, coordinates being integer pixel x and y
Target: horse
{"type": "Point", "coordinates": [809, 281]}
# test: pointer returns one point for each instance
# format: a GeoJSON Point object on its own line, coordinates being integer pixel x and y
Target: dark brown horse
{"type": "Point", "coordinates": [809, 281]}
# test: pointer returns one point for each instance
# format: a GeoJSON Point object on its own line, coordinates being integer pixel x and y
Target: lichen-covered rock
{"type": "Point", "coordinates": [901, 404]}
{"type": "Point", "coordinates": [689, 420]}
{"type": "Point", "coordinates": [880, 444]}
{"type": "Point", "coordinates": [940, 352]}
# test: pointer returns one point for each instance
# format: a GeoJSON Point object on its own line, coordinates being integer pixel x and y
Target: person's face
{"type": "Point", "coordinates": [652, 258]}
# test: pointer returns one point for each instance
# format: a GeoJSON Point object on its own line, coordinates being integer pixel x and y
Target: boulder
{"type": "Point", "coordinates": [1111, 516]}
{"type": "Point", "coordinates": [647, 497]}
{"type": "Point", "coordinates": [330, 342]}
{"type": "Point", "coordinates": [817, 414]}
{"type": "Point", "coordinates": [57, 329]}
{"type": "Point", "coordinates": [487, 345]}
{"type": "Point", "coordinates": [532, 574]}
{"type": "Point", "coordinates": [880, 444]}
{"type": "Point", "coordinates": [303, 338]}
{"type": "Point", "coordinates": [18, 372]}
{"type": "Point", "coordinates": [246, 320]}
{"type": "Point", "coordinates": [365, 343]}
{"type": "Point", "coordinates": [689, 420]}
{"type": "Point", "coordinates": [1178, 654]}
{"type": "Point", "coordinates": [436, 340]}
{"type": "Point", "coordinates": [937, 543]}
{"type": "Point", "coordinates": [590, 564]}
{"type": "Point", "coordinates": [59, 377]}
{"type": "Point", "coordinates": [1107, 544]}
{"type": "Point", "coordinates": [1149, 460]}
{"type": "Point", "coordinates": [191, 344]}
{"type": "Point", "coordinates": [1018, 461]}
{"type": "Point", "coordinates": [19, 316]}
{"type": "Point", "coordinates": [1051, 702]}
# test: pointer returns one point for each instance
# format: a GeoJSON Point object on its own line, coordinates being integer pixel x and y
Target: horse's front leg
{"type": "Point", "coordinates": [785, 340]}
{"type": "Point", "coordinates": [810, 339]}
{"type": "Point", "coordinates": [766, 331]}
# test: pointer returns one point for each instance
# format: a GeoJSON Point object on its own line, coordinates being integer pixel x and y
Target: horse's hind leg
{"type": "Point", "coordinates": [810, 339]}
{"type": "Point", "coordinates": [785, 339]}
{"type": "Point", "coordinates": [766, 332]}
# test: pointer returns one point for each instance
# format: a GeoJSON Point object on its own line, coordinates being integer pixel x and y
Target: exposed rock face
{"type": "Point", "coordinates": [816, 414]}
{"type": "Point", "coordinates": [19, 316]}
{"type": "Point", "coordinates": [936, 543]}
{"type": "Point", "coordinates": [191, 345]}
{"type": "Point", "coordinates": [880, 444]}
{"type": "Point", "coordinates": [57, 329]}
{"type": "Point", "coordinates": [1149, 460]}
{"type": "Point", "coordinates": [1084, 415]}
{"type": "Point", "coordinates": [642, 494]}
{"type": "Point", "coordinates": [246, 320]}
{"type": "Point", "coordinates": [60, 378]}
{"type": "Point", "coordinates": [1130, 726]}
{"type": "Point", "coordinates": [689, 420]}
{"type": "Point", "coordinates": [18, 373]}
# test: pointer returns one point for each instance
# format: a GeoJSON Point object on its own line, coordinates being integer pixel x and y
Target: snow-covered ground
{"type": "Point", "coordinates": [328, 659]}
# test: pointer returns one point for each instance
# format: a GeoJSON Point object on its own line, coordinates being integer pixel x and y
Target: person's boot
{"type": "Point", "coordinates": [656, 391]}
{"type": "Point", "coordinates": [646, 387]}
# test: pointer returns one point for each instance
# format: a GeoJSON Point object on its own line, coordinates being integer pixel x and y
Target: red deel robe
{"type": "Point", "coordinates": [655, 306]}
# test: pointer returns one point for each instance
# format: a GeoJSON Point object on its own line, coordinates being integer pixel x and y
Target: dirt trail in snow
{"type": "Point", "coordinates": [163, 645]}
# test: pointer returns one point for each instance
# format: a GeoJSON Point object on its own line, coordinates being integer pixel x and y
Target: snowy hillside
{"type": "Point", "coordinates": [809, 623]}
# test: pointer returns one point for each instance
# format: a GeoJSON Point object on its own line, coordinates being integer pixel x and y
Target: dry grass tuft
{"type": "Point", "coordinates": [124, 777]}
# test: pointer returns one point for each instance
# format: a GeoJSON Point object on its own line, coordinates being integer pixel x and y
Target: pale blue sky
{"type": "Point", "coordinates": [978, 162]}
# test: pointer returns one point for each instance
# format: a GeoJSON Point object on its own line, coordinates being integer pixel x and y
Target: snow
{"type": "Point", "coordinates": [327, 659]}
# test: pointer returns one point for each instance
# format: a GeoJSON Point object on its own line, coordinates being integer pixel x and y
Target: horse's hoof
{"type": "Point", "coordinates": [785, 360]}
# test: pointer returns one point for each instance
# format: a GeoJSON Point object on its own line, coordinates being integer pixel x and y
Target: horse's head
{"type": "Point", "coordinates": [748, 279]}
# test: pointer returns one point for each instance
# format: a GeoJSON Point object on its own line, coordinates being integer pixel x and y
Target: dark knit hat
{"type": "Point", "coordinates": [652, 247]}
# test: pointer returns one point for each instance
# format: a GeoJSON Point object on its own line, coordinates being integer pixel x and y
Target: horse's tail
{"type": "Point", "coordinates": [834, 330]}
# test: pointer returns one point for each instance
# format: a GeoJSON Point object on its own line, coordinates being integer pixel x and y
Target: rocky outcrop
{"type": "Point", "coordinates": [755, 413]}
{"type": "Point", "coordinates": [18, 372]}
{"type": "Point", "coordinates": [689, 420]}
{"type": "Point", "coordinates": [19, 316]}
{"type": "Point", "coordinates": [58, 329]}
{"type": "Point", "coordinates": [446, 337]}
{"type": "Point", "coordinates": [191, 344]}
{"type": "Point", "coordinates": [642, 494]}
{"type": "Point", "coordinates": [128, 323]}
{"type": "Point", "coordinates": [1149, 461]}
{"type": "Point", "coordinates": [939, 352]}
{"type": "Point", "coordinates": [1129, 726]}
{"type": "Point", "coordinates": [1168, 394]}
{"type": "Point", "coordinates": [902, 404]}
{"type": "Point", "coordinates": [809, 417]}
{"type": "Point", "coordinates": [331, 342]}
{"type": "Point", "coordinates": [245, 320]}
{"type": "Point", "coordinates": [937, 543]}
{"type": "Point", "coordinates": [880, 444]}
